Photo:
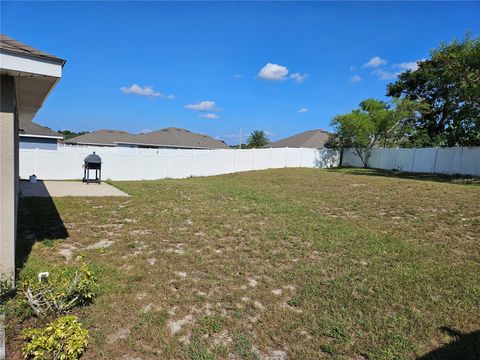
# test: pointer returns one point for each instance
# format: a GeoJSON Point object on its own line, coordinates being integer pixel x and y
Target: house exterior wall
{"type": "Point", "coordinates": [38, 143]}
{"type": "Point", "coordinates": [9, 176]}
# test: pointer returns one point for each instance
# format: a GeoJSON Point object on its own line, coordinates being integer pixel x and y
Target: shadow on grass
{"type": "Point", "coordinates": [465, 346]}
{"type": "Point", "coordinates": [452, 179]}
{"type": "Point", "coordinates": [38, 220]}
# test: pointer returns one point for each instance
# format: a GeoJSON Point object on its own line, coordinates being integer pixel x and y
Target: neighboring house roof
{"type": "Point", "coordinates": [308, 139]}
{"type": "Point", "coordinates": [11, 45]}
{"type": "Point", "coordinates": [30, 129]}
{"type": "Point", "coordinates": [177, 137]}
{"type": "Point", "coordinates": [168, 137]}
{"type": "Point", "coordinates": [103, 137]}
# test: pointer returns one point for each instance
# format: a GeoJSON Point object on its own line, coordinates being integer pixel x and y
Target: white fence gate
{"type": "Point", "coordinates": [119, 163]}
{"type": "Point", "coordinates": [455, 160]}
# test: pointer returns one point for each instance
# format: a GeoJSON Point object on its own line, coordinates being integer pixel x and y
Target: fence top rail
{"type": "Point", "coordinates": [61, 148]}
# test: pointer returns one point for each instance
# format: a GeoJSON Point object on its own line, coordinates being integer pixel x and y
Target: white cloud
{"type": "Point", "coordinates": [302, 110]}
{"type": "Point", "coordinates": [144, 91]}
{"type": "Point", "coordinates": [352, 68]}
{"type": "Point", "coordinates": [144, 131]}
{"type": "Point", "coordinates": [355, 78]}
{"type": "Point", "coordinates": [385, 75]}
{"type": "Point", "coordinates": [230, 136]}
{"type": "Point", "coordinates": [207, 105]}
{"type": "Point", "coordinates": [375, 62]}
{"type": "Point", "coordinates": [273, 72]}
{"type": "Point", "coordinates": [412, 66]}
{"type": "Point", "coordinates": [298, 78]}
{"type": "Point", "coordinates": [209, 116]}
{"type": "Point", "coordinates": [237, 76]}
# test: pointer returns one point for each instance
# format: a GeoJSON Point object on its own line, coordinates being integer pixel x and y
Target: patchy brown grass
{"type": "Point", "coordinates": [277, 264]}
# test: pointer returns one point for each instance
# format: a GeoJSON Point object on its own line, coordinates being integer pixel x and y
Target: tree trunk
{"type": "Point", "coordinates": [363, 157]}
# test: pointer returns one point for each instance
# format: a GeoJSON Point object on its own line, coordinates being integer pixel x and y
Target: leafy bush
{"type": "Point", "coordinates": [63, 339]}
{"type": "Point", "coordinates": [61, 291]}
{"type": "Point", "coordinates": [5, 286]}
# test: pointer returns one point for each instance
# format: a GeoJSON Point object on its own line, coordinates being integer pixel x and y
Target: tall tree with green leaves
{"type": "Point", "coordinates": [374, 123]}
{"type": "Point", "coordinates": [257, 139]}
{"type": "Point", "coordinates": [449, 83]}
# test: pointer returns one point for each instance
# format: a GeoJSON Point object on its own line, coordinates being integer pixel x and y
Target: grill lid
{"type": "Point", "coordinates": [93, 159]}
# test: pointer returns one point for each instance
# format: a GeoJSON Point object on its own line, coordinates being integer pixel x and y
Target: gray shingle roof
{"type": "Point", "coordinates": [308, 139]}
{"type": "Point", "coordinates": [7, 44]}
{"type": "Point", "coordinates": [182, 138]}
{"type": "Point", "coordinates": [168, 137]}
{"type": "Point", "coordinates": [28, 127]}
{"type": "Point", "coordinates": [102, 137]}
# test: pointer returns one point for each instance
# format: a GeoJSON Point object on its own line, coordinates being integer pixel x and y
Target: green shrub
{"type": "Point", "coordinates": [5, 286]}
{"type": "Point", "coordinates": [63, 339]}
{"type": "Point", "coordinates": [64, 289]}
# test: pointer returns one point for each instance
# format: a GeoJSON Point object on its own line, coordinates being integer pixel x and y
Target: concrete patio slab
{"type": "Point", "coordinates": [67, 188]}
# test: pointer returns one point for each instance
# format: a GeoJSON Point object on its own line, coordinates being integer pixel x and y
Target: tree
{"type": "Point", "coordinates": [257, 139]}
{"type": "Point", "coordinates": [374, 123]}
{"type": "Point", "coordinates": [67, 134]}
{"type": "Point", "coordinates": [449, 83]}
{"type": "Point", "coordinates": [239, 146]}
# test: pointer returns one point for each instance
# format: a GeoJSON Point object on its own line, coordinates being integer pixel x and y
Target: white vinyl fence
{"type": "Point", "coordinates": [455, 160]}
{"type": "Point", "coordinates": [147, 164]}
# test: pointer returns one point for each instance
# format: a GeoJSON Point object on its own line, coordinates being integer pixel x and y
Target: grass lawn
{"type": "Point", "coordinates": [276, 264]}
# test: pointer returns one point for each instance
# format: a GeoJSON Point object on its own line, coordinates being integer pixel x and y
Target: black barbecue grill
{"type": "Point", "coordinates": [92, 162]}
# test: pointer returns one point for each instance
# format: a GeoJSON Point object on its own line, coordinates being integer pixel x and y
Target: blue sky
{"type": "Point", "coordinates": [199, 65]}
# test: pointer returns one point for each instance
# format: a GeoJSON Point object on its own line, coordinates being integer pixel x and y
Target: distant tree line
{"type": "Point", "coordinates": [67, 134]}
{"type": "Point", "coordinates": [436, 105]}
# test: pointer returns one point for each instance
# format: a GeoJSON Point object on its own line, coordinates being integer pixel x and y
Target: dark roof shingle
{"type": "Point", "coordinates": [101, 137]}
{"type": "Point", "coordinates": [180, 137]}
{"type": "Point", "coordinates": [308, 139]}
{"type": "Point", "coordinates": [28, 127]}
{"type": "Point", "coordinates": [168, 137]}
{"type": "Point", "coordinates": [11, 45]}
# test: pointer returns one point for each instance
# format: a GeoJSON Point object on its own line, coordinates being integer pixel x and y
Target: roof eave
{"type": "Point", "coordinates": [88, 143]}
{"type": "Point", "coordinates": [161, 145]}
{"type": "Point", "coordinates": [41, 136]}
{"type": "Point", "coordinates": [35, 56]}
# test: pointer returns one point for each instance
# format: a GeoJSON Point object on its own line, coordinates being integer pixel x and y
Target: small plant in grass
{"type": "Point", "coordinates": [329, 349]}
{"type": "Point", "coordinates": [198, 351]}
{"type": "Point", "coordinates": [336, 332]}
{"type": "Point", "coordinates": [57, 294]}
{"type": "Point", "coordinates": [48, 242]}
{"type": "Point", "coordinates": [243, 347]}
{"type": "Point", "coordinates": [63, 339]}
{"type": "Point", "coordinates": [394, 346]}
{"type": "Point", "coordinates": [209, 325]}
